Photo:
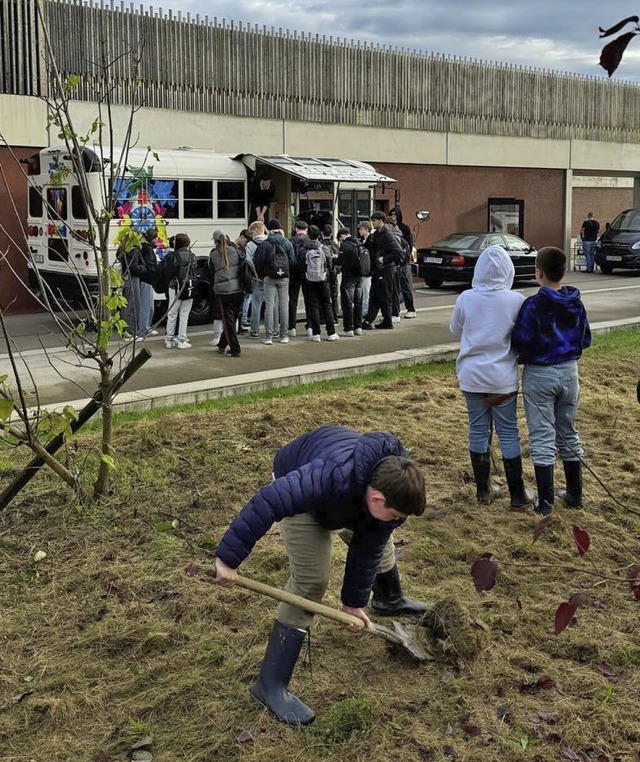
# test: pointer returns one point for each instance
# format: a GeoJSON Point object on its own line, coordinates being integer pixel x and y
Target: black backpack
{"type": "Point", "coordinates": [278, 261]}
{"type": "Point", "coordinates": [165, 270]}
{"type": "Point", "coordinates": [247, 275]}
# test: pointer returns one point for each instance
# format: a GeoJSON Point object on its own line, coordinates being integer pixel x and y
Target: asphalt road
{"type": "Point", "coordinates": [59, 377]}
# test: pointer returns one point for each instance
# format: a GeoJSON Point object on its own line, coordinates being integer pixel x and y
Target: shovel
{"type": "Point", "coordinates": [407, 636]}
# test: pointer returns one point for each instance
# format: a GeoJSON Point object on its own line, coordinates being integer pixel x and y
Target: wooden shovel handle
{"type": "Point", "coordinates": [285, 597]}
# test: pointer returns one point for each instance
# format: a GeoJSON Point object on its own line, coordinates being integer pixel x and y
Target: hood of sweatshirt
{"type": "Point", "coordinates": [566, 298]}
{"type": "Point", "coordinates": [310, 243]}
{"type": "Point", "coordinates": [494, 270]}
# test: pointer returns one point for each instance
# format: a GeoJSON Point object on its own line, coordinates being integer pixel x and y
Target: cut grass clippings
{"type": "Point", "coordinates": [105, 641]}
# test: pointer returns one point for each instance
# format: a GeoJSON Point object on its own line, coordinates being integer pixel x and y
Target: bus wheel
{"type": "Point", "coordinates": [201, 309]}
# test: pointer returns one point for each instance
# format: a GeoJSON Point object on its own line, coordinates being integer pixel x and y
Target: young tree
{"type": "Point", "coordinates": [90, 329]}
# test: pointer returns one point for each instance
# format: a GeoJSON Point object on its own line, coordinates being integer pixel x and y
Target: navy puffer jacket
{"type": "Point", "coordinates": [325, 472]}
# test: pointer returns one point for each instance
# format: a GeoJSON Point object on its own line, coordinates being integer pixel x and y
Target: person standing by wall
{"type": "Point", "coordinates": [589, 235]}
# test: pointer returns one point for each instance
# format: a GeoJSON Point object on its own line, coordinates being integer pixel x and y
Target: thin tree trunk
{"type": "Point", "coordinates": [102, 481]}
{"type": "Point", "coordinates": [55, 465]}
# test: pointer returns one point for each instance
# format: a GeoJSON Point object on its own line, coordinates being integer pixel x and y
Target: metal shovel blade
{"type": "Point", "coordinates": [411, 637]}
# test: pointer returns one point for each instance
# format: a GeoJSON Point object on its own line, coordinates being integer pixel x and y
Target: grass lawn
{"type": "Point", "coordinates": [105, 641]}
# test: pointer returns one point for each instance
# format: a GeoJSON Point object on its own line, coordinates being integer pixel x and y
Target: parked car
{"type": "Point", "coordinates": [619, 245]}
{"type": "Point", "coordinates": [454, 257]}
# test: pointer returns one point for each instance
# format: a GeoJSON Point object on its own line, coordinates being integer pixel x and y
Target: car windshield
{"type": "Point", "coordinates": [628, 221]}
{"type": "Point", "coordinates": [458, 241]}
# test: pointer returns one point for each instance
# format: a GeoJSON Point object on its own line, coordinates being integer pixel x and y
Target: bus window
{"type": "Point", "coordinates": [198, 199]}
{"type": "Point", "coordinates": [35, 202]}
{"type": "Point", "coordinates": [231, 200]}
{"type": "Point", "coordinates": [57, 203]}
{"type": "Point", "coordinates": [78, 209]}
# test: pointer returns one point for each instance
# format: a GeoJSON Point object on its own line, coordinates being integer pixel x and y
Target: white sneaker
{"type": "Point", "coordinates": [348, 333]}
{"type": "Point", "coordinates": [358, 331]}
{"type": "Point", "coordinates": [410, 315]}
{"type": "Point", "coordinates": [291, 332]}
{"type": "Point", "coordinates": [333, 337]}
{"type": "Point", "coordinates": [309, 332]}
{"type": "Point", "coordinates": [316, 337]}
{"type": "Point", "coordinates": [152, 332]}
{"type": "Point", "coordinates": [268, 341]}
{"type": "Point", "coordinates": [395, 318]}
{"type": "Point", "coordinates": [183, 345]}
{"type": "Point", "coordinates": [284, 340]}
{"type": "Point", "coordinates": [169, 344]}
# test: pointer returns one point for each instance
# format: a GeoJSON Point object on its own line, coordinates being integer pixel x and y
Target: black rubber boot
{"type": "Point", "coordinates": [481, 463]}
{"type": "Point", "coordinates": [521, 497]}
{"type": "Point", "coordinates": [270, 689]}
{"type": "Point", "coordinates": [544, 480]}
{"type": "Point", "coordinates": [572, 495]}
{"type": "Point", "coordinates": [388, 599]}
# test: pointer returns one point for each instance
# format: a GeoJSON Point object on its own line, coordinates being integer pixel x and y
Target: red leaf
{"type": "Point", "coordinates": [541, 526]}
{"type": "Point", "coordinates": [605, 670]}
{"type": "Point", "coordinates": [564, 614]}
{"type": "Point", "coordinates": [611, 54]}
{"type": "Point", "coordinates": [518, 604]}
{"type": "Point", "coordinates": [583, 541]}
{"type": "Point", "coordinates": [636, 592]}
{"type": "Point", "coordinates": [484, 572]}
{"type": "Point", "coordinates": [632, 575]}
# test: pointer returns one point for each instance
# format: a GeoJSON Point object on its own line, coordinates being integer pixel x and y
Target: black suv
{"type": "Point", "coordinates": [619, 245]}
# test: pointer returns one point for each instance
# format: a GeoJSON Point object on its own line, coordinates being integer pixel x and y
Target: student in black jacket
{"type": "Point", "coordinates": [145, 319]}
{"type": "Point", "coordinates": [386, 255]}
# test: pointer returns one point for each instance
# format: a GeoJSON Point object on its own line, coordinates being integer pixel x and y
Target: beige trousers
{"type": "Point", "coordinates": [308, 547]}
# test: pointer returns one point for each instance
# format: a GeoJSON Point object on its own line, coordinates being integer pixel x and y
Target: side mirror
{"type": "Point", "coordinates": [423, 215]}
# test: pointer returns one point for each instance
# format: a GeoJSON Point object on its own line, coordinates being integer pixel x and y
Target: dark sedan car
{"type": "Point", "coordinates": [454, 257]}
{"type": "Point", "coordinates": [619, 245]}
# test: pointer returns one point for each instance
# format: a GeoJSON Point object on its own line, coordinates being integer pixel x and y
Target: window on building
{"type": "Point", "coordinates": [231, 200]}
{"type": "Point", "coordinates": [198, 199]}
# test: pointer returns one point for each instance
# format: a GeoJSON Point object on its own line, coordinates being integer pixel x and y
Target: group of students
{"type": "Point", "coordinates": [352, 278]}
{"type": "Point", "coordinates": [546, 333]}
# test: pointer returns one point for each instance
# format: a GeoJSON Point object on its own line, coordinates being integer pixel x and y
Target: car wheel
{"type": "Point", "coordinates": [201, 308]}
{"type": "Point", "coordinates": [606, 269]}
{"type": "Point", "coordinates": [433, 282]}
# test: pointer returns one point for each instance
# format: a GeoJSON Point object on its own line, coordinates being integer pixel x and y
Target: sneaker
{"type": "Point", "coordinates": [333, 337]}
{"type": "Point", "coordinates": [252, 335]}
{"type": "Point", "coordinates": [394, 319]}
{"type": "Point", "coordinates": [221, 351]}
{"type": "Point", "coordinates": [348, 333]}
{"type": "Point", "coordinates": [410, 315]}
{"type": "Point", "coordinates": [152, 332]}
{"type": "Point", "coordinates": [242, 330]}
{"type": "Point", "coordinates": [291, 332]}
{"type": "Point", "coordinates": [169, 344]}
{"type": "Point", "coordinates": [309, 332]}
{"type": "Point", "coordinates": [183, 345]}
{"type": "Point", "coordinates": [315, 337]}
{"type": "Point", "coordinates": [214, 342]}
{"type": "Point", "coordinates": [367, 327]}
{"type": "Point", "coordinates": [284, 340]}
{"type": "Point", "coordinates": [358, 331]}
{"type": "Point", "coordinates": [384, 326]}
{"type": "Point", "coordinates": [268, 341]}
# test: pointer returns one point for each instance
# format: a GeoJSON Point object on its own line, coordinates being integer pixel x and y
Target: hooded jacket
{"type": "Point", "coordinates": [386, 245]}
{"type": "Point", "coordinates": [552, 327]}
{"type": "Point", "coordinates": [326, 473]}
{"type": "Point", "coordinates": [483, 318]}
{"type": "Point", "coordinates": [265, 249]}
{"type": "Point", "coordinates": [305, 245]}
{"type": "Point", "coordinates": [404, 228]}
{"type": "Point", "coordinates": [225, 278]}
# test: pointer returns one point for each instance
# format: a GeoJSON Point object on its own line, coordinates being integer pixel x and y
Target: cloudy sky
{"type": "Point", "coordinates": [550, 34]}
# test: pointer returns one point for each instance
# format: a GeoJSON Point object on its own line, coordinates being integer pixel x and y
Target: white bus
{"type": "Point", "coordinates": [178, 191]}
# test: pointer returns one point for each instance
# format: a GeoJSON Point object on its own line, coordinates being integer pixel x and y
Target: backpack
{"type": "Point", "coordinates": [163, 275]}
{"type": "Point", "coordinates": [180, 275]}
{"type": "Point", "coordinates": [356, 259]}
{"type": "Point", "coordinates": [278, 261]}
{"type": "Point", "coordinates": [247, 275]}
{"type": "Point", "coordinates": [316, 265]}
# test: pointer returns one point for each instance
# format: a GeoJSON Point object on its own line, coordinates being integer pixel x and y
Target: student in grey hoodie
{"type": "Point", "coordinates": [483, 318]}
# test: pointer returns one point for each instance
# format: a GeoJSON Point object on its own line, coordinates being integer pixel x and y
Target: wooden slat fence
{"type": "Point", "coordinates": [204, 64]}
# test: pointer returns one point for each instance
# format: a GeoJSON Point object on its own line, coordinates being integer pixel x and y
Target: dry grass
{"type": "Point", "coordinates": [106, 640]}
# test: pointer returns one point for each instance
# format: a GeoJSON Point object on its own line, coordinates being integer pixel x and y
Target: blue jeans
{"type": "Point", "coordinates": [589, 251]}
{"type": "Point", "coordinates": [482, 420]}
{"type": "Point", "coordinates": [276, 297]}
{"type": "Point", "coordinates": [551, 395]}
{"type": "Point", "coordinates": [145, 319]}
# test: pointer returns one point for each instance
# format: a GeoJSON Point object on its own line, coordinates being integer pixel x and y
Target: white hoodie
{"type": "Point", "coordinates": [484, 317]}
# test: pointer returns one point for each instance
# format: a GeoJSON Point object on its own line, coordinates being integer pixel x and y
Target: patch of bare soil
{"type": "Point", "coordinates": [105, 642]}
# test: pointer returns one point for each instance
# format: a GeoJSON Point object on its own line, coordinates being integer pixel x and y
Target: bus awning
{"type": "Point", "coordinates": [318, 170]}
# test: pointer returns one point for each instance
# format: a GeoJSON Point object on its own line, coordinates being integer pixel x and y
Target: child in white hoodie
{"type": "Point", "coordinates": [483, 318]}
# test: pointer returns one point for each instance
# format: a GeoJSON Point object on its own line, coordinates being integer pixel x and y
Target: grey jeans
{"type": "Point", "coordinates": [551, 395]}
{"type": "Point", "coordinates": [276, 296]}
{"type": "Point", "coordinates": [308, 547]}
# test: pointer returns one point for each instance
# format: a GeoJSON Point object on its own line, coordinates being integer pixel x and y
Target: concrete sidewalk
{"type": "Point", "coordinates": [198, 391]}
